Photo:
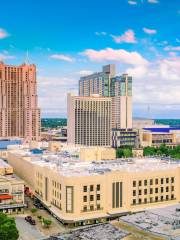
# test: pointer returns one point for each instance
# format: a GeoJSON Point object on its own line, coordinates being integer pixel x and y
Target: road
{"type": "Point", "coordinates": [26, 230]}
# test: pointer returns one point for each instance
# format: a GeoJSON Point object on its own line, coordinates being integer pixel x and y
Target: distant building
{"type": "Point", "coordinates": [140, 123]}
{"type": "Point", "coordinates": [19, 112]}
{"type": "Point", "coordinates": [89, 120]}
{"type": "Point", "coordinates": [107, 84]}
{"type": "Point", "coordinates": [155, 136]}
{"type": "Point", "coordinates": [125, 138]}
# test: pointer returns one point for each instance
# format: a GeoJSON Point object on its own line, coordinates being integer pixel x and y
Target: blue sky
{"type": "Point", "coordinates": [68, 38]}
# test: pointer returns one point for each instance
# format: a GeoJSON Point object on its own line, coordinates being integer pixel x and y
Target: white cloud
{"type": "Point", "coordinates": [149, 31]}
{"type": "Point", "coordinates": [121, 55]}
{"type": "Point", "coordinates": [62, 57]}
{"type": "Point", "coordinates": [132, 2]}
{"type": "Point", "coordinates": [172, 48]}
{"type": "Point", "coordinates": [157, 83]}
{"type": "Point", "coordinates": [84, 72]}
{"type": "Point", "coordinates": [127, 37]}
{"type": "Point", "coordinates": [153, 1]}
{"type": "Point", "coordinates": [5, 56]}
{"type": "Point", "coordinates": [3, 33]}
{"type": "Point", "coordinates": [101, 33]}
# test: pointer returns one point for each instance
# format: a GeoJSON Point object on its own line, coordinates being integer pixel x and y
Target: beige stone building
{"type": "Point", "coordinates": [79, 192]}
{"type": "Point", "coordinates": [89, 120]}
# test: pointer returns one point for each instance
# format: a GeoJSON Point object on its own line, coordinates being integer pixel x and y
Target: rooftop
{"type": "Point", "coordinates": [68, 164]}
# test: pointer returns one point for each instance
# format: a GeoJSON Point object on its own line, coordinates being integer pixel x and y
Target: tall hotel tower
{"type": "Point", "coordinates": [19, 112]}
{"type": "Point", "coordinates": [89, 120]}
{"type": "Point", "coordinates": [119, 88]}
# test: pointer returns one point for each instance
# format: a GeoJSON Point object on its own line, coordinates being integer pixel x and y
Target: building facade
{"type": "Point", "coordinates": [125, 138]}
{"type": "Point", "coordinates": [89, 120]}
{"type": "Point", "coordinates": [107, 84]}
{"type": "Point", "coordinates": [79, 193]}
{"type": "Point", "coordinates": [11, 190]}
{"type": "Point", "coordinates": [19, 112]}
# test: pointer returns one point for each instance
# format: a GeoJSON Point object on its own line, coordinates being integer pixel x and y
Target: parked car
{"type": "Point", "coordinates": [30, 220]}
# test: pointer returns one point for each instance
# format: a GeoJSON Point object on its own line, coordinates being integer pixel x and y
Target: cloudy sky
{"type": "Point", "coordinates": [67, 39]}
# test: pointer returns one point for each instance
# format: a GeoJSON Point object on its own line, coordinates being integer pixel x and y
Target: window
{"type": "Point", "coordinates": [156, 199]}
{"type": "Point", "coordinates": [156, 190]}
{"type": "Point", "coordinates": [140, 192]}
{"type": "Point", "coordinates": [140, 183]}
{"type": "Point", "coordinates": [98, 196]}
{"type": "Point", "coordinates": [145, 182]}
{"type": "Point", "coordinates": [162, 180]}
{"type": "Point", "coordinates": [172, 188]}
{"type": "Point", "coordinates": [167, 180]}
{"type": "Point", "coordinates": [162, 189]}
{"type": "Point", "coordinates": [91, 188]}
{"type": "Point", "coordinates": [145, 191]}
{"type": "Point", "coordinates": [85, 208]}
{"type": "Point", "coordinates": [140, 200]}
{"type": "Point", "coordinates": [134, 201]}
{"type": "Point", "coordinates": [84, 188]}
{"type": "Point", "coordinates": [172, 180]}
{"type": "Point", "coordinates": [162, 198]}
{"type": "Point", "coordinates": [91, 207]}
{"type": "Point", "coordinates": [151, 200]}
{"type": "Point", "coordinates": [172, 196]}
{"type": "Point", "coordinates": [145, 200]}
{"type": "Point", "coordinates": [134, 183]}
{"type": "Point", "coordinates": [134, 192]}
{"type": "Point", "coordinates": [167, 189]}
{"type": "Point", "coordinates": [85, 199]}
{"type": "Point", "coordinates": [98, 207]}
{"type": "Point", "coordinates": [156, 181]}
{"type": "Point", "coordinates": [151, 190]}
{"type": "Point", "coordinates": [98, 187]}
{"type": "Point", "coordinates": [91, 197]}
{"type": "Point", "coordinates": [167, 197]}
{"type": "Point", "coordinates": [151, 181]}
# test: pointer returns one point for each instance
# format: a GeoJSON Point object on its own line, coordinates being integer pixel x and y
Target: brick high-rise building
{"type": "Point", "coordinates": [19, 112]}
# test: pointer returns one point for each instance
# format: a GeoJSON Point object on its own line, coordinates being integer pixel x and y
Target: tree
{"type": "Point", "coordinates": [8, 228]}
{"type": "Point", "coordinates": [33, 210]}
{"type": "Point", "coordinates": [149, 151]}
{"type": "Point", "coordinates": [127, 152]}
{"type": "Point", "coordinates": [40, 218]}
{"type": "Point", "coordinates": [119, 153]}
{"type": "Point", "coordinates": [47, 222]}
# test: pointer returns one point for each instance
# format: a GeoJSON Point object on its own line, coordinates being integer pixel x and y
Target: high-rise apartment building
{"type": "Point", "coordinates": [19, 112]}
{"type": "Point", "coordinates": [107, 84]}
{"type": "Point", "coordinates": [89, 120]}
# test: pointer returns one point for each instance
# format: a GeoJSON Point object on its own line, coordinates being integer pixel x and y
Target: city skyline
{"type": "Point", "coordinates": [68, 40]}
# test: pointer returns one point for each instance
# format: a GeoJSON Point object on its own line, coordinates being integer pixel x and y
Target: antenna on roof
{"type": "Point", "coordinates": [27, 58]}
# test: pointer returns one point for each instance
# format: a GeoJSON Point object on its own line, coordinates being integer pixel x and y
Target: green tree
{"type": "Point", "coordinates": [47, 222]}
{"type": "Point", "coordinates": [119, 153]}
{"type": "Point", "coordinates": [8, 230]}
{"type": "Point", "coordinates": [127, 152]}
{"type": "Point", "coordinates": [33, 210]}
{"type": "Point", "coordinates": [149, 151]}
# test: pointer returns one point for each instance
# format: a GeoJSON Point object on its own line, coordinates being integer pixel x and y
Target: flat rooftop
{"type": "Point", "coordinates": [104, 231]}
{"type": "Point", "coordinates": [69, 165]}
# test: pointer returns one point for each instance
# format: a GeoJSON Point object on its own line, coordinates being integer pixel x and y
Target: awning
{"type": "Point", "coordinates": [6, 196]}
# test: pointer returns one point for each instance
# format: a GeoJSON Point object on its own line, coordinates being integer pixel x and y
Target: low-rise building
{"type": "Point", "coordinates": [82, 192]}
{"type": "Point", "coordinates": [11, 190]}
{"type": "Point", "coordinates": [155, 136]}
{"type": "Point", "coordinates": [125, 138]}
